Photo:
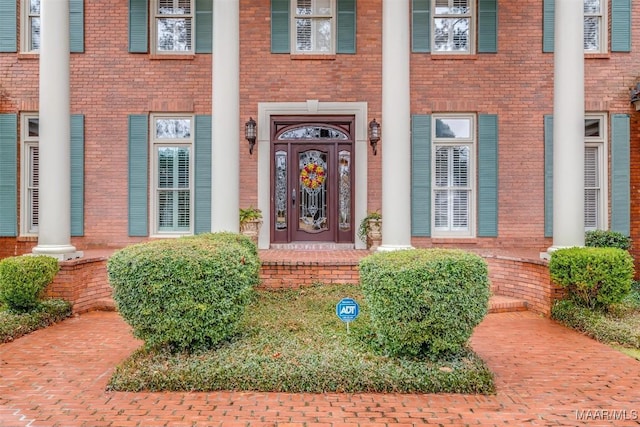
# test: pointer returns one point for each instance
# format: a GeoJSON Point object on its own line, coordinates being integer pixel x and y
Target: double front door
{"type": "Point", "coordinates": [312, 184]}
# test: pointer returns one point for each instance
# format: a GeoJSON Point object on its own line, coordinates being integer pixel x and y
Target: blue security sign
{"type": "Point", "coordinates": [347, 309]}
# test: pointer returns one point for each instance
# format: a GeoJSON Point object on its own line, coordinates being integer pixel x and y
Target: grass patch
{"type": "Point", "coordinates": [292, 341]}
{"type": "Point", "coordinates": [15, 325]}
{"type": "Point", "coordinates": [620, 326]}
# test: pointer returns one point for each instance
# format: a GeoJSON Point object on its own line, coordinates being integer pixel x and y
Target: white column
{"type": "Point", "coordinates": [568, 125]}
{"type": "Point", "coordinates": [395, 142]}
{"type": "Point", "coordinates": [225, 189]}
{"type": "Point", "coordinates": [54, 203]}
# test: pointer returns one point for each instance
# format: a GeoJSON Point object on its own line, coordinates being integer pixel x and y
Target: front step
{"type": "Point", "coordinates": [503, 304]}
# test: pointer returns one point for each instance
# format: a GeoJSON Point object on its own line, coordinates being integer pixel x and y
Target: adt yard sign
{"type": "Point", "coordinates": [347, 310]}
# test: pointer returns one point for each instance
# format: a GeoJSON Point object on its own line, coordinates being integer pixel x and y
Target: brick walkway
{"type": "Point", "coordinates": [546, 375]}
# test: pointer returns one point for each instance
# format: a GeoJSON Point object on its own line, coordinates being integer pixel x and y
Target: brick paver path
{"type": "Point", "coordinates": [546, 375]}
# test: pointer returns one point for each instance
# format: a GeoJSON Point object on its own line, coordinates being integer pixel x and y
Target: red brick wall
{"type": "Point", "coordinates": [108, 83]}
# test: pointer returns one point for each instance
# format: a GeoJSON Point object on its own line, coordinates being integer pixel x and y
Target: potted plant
{"type": "Point", "coordinates": [250, 222]}
{"type": "Point", "coordinates": [370, 230]}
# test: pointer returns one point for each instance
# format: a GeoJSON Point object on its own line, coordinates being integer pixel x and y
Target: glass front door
{"type": "Point", "coordinates": [312, 187]}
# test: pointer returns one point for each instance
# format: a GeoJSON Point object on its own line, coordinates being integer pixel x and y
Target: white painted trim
{"type": "Point", "coordinates": [310, 107]}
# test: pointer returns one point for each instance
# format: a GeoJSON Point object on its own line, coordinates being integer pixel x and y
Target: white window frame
{"type": "Point", "coordinates": [26, 41]}
{"type": "Point", "coordinates": [155, 144]}
{"type": "Point", "coordinates": [471, 143]}
{"type": "Point", "coordinates": [28, 143]}
{"type": "Point", "coordinates": [471, 15]}
{"type": "Point", "coordinates": [294, 32]}
{"type": "Point", "coordinates": [600, 143]}
{"type": "Point", "coordinates": [603, 29]}
{"type": "Point", "coordinates": [156, 16]}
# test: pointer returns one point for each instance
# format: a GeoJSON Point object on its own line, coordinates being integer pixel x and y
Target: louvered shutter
{"type": "Point", "coordinates": [204, 26]}
{"type": "Point", "coordinates": [8, 19]}
{"type": "Point", "coordinates": [487, 26]}
{"type": "Point", "coordinates": [76, 25]}
{"type": "Point", "coordinates": [591, 188]}
{"type": "Point", "coordinates": [620, 174]}
{"type": "Point", "coordinates": [138, 26]}
{"type": "Point", "coordinates": [421, 175]}
{"type": "Point", "coordinates": [280, 38]}
{"type": "Point", "coordinates": [8, 175]}
{"type": "Point", "coordinates": [487, 175]}
{"type": "Point", "coordinates": [421, 26]}
{"type": "Point", "coordinates": [138, 175]}
{"type": "Point", "coordinates": [621, 25]}
{"type": "Point", "coordinates": [548, 176]}
{"type": "Point", "coordinates": [77, 175]}
{"type": "Point", "coordinates": [202, 173]}
{"type": "Point", "coordinates": [548, 30]}
{"type": "Point", "coordinates": [346, 26]}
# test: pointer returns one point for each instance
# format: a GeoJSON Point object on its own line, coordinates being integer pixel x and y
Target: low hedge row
{"type": "Point", "coordinates": [23, 280]}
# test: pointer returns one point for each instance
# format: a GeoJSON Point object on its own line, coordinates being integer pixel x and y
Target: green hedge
{"type": "Point", "coordinates": [607, 239]}
{"type": "Point", "coordinates": [424, 302]}
{"type": "Point", "coordinates": [593, 277]}
{"type": "Point", "coordinates": [184, 294]}
{"type": "Point", "coordinates": [23, 280]}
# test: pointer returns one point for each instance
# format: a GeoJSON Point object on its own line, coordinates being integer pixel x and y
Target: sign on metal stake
{"type": "Point", "coordinates": [347, 310]}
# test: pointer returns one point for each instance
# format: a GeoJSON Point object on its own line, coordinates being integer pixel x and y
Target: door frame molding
{"type": "Point", "coordinates": [311, 107]}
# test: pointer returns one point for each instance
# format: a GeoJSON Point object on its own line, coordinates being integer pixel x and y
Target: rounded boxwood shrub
{"type": "Point", "coordinates": [424, 302]}
{"type": "Point", "coordinates": [184, 294]}
{"type": "Point", "coordinates": [607, 239]}
{"type": "Point", "coordinates": [23, 280]}
{"type": "Point", "coordinates": [593, 277]}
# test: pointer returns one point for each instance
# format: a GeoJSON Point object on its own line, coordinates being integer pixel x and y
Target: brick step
{"type": "Point", "coordinates": [503, 304]}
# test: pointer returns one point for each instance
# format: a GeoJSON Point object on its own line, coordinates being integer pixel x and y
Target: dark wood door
{"type": "Point", "coordinates": [312, 183]}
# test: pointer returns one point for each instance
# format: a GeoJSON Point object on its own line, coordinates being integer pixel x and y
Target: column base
{"type": "Point", "coordinates": [552, 249]}
{"type": "Point", "coordinates": [60, 252]}
{"type": "Point", "coordinates": [389, 248]}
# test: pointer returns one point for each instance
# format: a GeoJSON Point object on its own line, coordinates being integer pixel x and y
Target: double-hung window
{"type": "Point", "coordinates": [172, 169]}
{"type": "Point", "coordinates": [31, 26]}
{"type": "Point", "coordinates": [173, 26]}
{"type": "Point", "coordinates": [314, 26]}
{"type": "Point", "coordinates": [30, 174]}
{"type": "Point", "coordinates": [452, 26]}
{"type": "Point", "coordinates": [594, 172]}
{"type": "Point", "coordinates": [595, 28]}
{"type": "Point", "coordinates": [452, 177]}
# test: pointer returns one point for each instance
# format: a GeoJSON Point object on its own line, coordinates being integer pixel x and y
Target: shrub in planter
{"type": "Point", "coordinates": [593, 277]}
{"type": "Point", "coordinates": [184, 294]}
{"type": "Point", "coordinates": [23, 280]}
{"type": "Point", "coordinates": [607, 239]}
{"type": "Point", "coordinates": [424, 302]}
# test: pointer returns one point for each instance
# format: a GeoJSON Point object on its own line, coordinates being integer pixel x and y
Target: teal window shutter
{"type": "Point", "coordinates": [421, 175]}
{"type": "Point", "coordinates": [204, 26]}
{"type": "Point", "coordinates": [202, 196]}
{"type": "Point", "coordinates": [620, 174]}
{"type": "Point", "coordinates": [8, 175]}
{"type": "Point", "coordinates": [548, 31]}
{"type": "Point", "coordinates": [138, 175]}
{"type": "Point", "coordinates": [8, 19]}
{"type": "Point", "coordinates": [138, 26]}
{"type": "Point", "coordinates": [280, 26]}
{"type": "Point", "coordinates": [548, 176]}
{"type": "Point", "coordinates": [346, 26]}
{"type": "Point", "coordinates": [487, 175]}
{"type": "Point", "coordinates": [76, 25]}
{"type": "Point", "coordinates": [77, 175]}
{"type": "Point", "coordinates": [487, 26]}
{"type": "Point", "coordinates": [621, 25]}
{"type": "Point", "coordinates": [421, 26]}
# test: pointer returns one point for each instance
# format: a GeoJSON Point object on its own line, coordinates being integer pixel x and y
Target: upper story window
{"type": "Point", "coordinates": [314, 26]}
{"type": "Point", "coordinates": [31, 27]}
{"type": "Point", "coordinates": [452, 26]}
{"type": "Point", "coordinates": [173, 26]}
{"type": "Point", "coordinates": [595, 26]}
{"type": "Point", "coordinates": [30, 166]}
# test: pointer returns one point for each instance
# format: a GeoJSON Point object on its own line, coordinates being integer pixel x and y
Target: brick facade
{"type": "Point", "coordinates": [108, 83]}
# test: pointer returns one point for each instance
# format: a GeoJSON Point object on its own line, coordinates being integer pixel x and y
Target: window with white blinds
{"type": "Point", "coordinates": [314, 26]}
{"type": "Point", "coordinates": [31, 33]}
{"type": "Point", "coordinates": [595, 28]}
{"type": "Point", "coordinates": [172, 141]}
{"type": "Point", "coordinates": [594, 176]}
{"type": "Point", "coordinates": [452, 26]}
{"type": "Point", "coordinates": [174, 21]}
{"type": "Point", "coordinates": [30, 174]}
{"type": "Point", "coordinates": [452, 183]}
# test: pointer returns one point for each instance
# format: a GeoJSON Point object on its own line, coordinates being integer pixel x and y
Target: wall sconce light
{"type": "Point", "coordinates": [635, 96]}
{"type": "Point", "coordinates": [374, 135]}
{"type": "Point", "coordinates": [250, 133]}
